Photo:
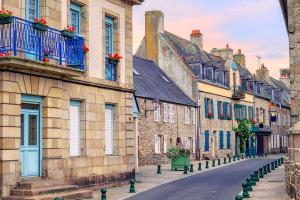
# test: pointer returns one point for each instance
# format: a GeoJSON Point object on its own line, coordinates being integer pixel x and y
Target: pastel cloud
{"type": "Point", "coordinates": [254, 26]}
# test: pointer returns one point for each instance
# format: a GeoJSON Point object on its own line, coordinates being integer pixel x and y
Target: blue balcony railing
{"type": "Point", "coordinates": [110, 70]}
{"type": "Point", "coordinates": [20, 38]}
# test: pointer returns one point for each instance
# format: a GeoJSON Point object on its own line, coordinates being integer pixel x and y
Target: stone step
{"type": "Point", "coordinates": [77, 194]}
{"type": "Point", "coordinates": [38, 183]}
{"type": "Point", "coordinates": [43, 190]}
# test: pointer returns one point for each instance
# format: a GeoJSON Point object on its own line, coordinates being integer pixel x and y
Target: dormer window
{"type": "Point", "coordinates": [220, 77]}
{"type": "Point", "coordinates": [208, 73]}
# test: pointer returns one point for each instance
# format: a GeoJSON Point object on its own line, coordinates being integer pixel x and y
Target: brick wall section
{"type": "Point", "coordinates": [293, 163]}
{"type": "Point", "coordinates": [148, 128]}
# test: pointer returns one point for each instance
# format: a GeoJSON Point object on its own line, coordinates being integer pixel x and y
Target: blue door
{"type": "Point", "coordinates": [31, 12]}
{"type": "Point", "coordinates": [30, 142]}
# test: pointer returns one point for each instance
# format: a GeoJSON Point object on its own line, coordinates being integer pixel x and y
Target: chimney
{"type": "Point", "coordinates": [263, 73]}
{"type": "Point", "coordinates": [285, 77]}
{"type": "Point", "coordinates": [226, 54]}
{"type": "Point", "coordinates": [240, 58]}
{"type": "Point", "coordinates": [154, 26]}
{"type": "Point", "coordinates": [197, 38]}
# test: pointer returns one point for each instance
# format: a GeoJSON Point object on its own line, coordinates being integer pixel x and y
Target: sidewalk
{"type": "Point", "coordinates": [147, 178]}
{"type": "Point", "coordinates": [272, 187]}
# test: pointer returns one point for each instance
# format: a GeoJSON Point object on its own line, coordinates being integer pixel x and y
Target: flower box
{"type": "Point", "coordinates": [6, 20]}
{"type": "Point", "coordinates": [39, 26]}
{"type": "Point", "coordinates": [113, 61]}
{"type": "Point", "coordinates": [180, 162]}
{"type": "Point", "coordinates": [67, 34]}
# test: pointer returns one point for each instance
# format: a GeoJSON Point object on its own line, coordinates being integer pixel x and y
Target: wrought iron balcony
{"type": "Point", "coordinates": [110, 70]}
{"type": "Point", "coordinates": [21, 38]}
{"type": "Point", "coordinates": [238, 92]}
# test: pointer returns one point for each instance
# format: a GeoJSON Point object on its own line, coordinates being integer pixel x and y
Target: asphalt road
{"type": "Point", "coordinates": [218, 184]}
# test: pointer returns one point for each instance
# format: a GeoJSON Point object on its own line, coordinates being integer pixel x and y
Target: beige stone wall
{"type": "Point", "coordinates": [148, 128]}
{"type": "Point", "coordinates": [56, 161]}
{"type": "Point", "coordinates": [215, 125]}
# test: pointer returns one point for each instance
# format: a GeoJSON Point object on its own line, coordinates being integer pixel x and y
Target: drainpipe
{"type": "Point", "coordinates": [198, 126]}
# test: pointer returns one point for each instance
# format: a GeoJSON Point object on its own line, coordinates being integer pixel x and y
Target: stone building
{"type": "Point", "coordinates": [66, 116]}
{"type": "Point", "coordinates": [167, 115]}
{"type": "Point", "coordinates": [290, 9]}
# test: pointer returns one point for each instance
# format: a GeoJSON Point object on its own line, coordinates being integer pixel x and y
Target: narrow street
{"type": "Point", "coordinates": [219, 184]}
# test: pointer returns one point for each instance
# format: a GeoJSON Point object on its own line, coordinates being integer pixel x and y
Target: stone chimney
{"type": "Point", "coordinates": [263, 73]}
{"type": "Point", "coordinates": [285, 77]}
{"type": "Point", "coordinates": [154, 26]}
{"type": "Point", "coordinates": [197, 38]}
{"type": "Point", "coordinates": [226, 54]}
{"type": "Point", "coordinates": [240, 58]}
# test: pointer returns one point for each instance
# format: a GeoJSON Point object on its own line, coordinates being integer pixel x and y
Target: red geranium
{"type": "Point", "coordinates": [115, 57]}
{"type": "Point", "coordinates": [40, 21]}
{"type": "Point", "coordinates": [222, 116]}
{"type": "Point", "coordinates": [3, 54]}
{"type": "Point", "coordinates": [6, 13]}
{"type": "Point", "coordinates": [209, 115]}
{"type": "Point", "coordinates": [85, 48]}
{"type": "Point", "coordinates": [70, 29]}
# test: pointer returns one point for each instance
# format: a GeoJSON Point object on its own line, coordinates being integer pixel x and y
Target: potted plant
{"type": "Point", "coordinates": [85, 48]}
{"type": "Point", "coordinates": [68, 32]}
{"type": "Point", "coordinates": [180, 157]}
{"type": "Point", "coordinates": [46, 55]}
{"type": "Point", "coordinates": [244, 130]}
{"type": "Point", "coordinates": [210, 115]}
{"type": "Point", "coordinates": [6, 16]}
{"type": "Point", "coordinates": [40, 24]}
{"type": "Point", "coordinates": [114, 58]}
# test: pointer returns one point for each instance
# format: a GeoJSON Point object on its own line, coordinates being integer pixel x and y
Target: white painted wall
{"type": "Point", "coordinates": [96, 59]}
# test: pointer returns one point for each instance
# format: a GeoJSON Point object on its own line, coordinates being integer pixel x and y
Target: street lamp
{"type": "Point", "coordinates": [155, 102]}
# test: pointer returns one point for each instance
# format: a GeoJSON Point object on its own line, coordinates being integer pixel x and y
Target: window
{"type": "Point", "coordinates": [157, 143]}
{"type": "Point", "coordinates": [166, 112]}
{"type": "Point", "coordinates": [206, 145]}
{"type": "Point", "coordinates": [193, 116]}
{"type": "Point", "coordinates": [221, 140]}
{"type": "Point", "coordinates": [156, 112]}
{"type": "Point", "coordinates": [110, 68]}
{"type": "Point", "coordinates": [186, 115]}
{"type": "Point", "coordinates": [220, 77]}
{"type": "Point", "coordinates": [209, 73]}
{"type": "Point", "coordinates": [228, 140]}
{"type": "Point", "coordinates": [171, 113]}
{"type": "Point", "coordinates": [109, 129]}
{"type": "Point", "coordinates": [75, 15]}
{"type": "Point", "coordinates": [250, 113]}
{"type": "Point", "coordinates": [32, 9]}
{"type": "Point", "coordinates": [229, 111]}
{"type": "Point", "coordinates": [209, 108]}
{"type": "Point", "coordinates": [74, 128]}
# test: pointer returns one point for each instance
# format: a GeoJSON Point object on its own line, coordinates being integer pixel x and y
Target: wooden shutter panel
{"type": "Point", "coordinates": [212, 109]}
{"type": "Point", "coordinates": [228, 140]}
{"type": "Point", "coordinates": [194, 144]}
{"type": "Point", "coordinates": [225, 109]}
{"type": "Point", "coordinates": [205, 107]}
{"type": "Point", "coordinates": [74, 128]}
{"type": "Point", "coordinates": [206, 147]}
{"type": "Point", "coordinates": [231, 111]}
{"type": "Point", "coordinates": [109, 130]}
{"type": "Point", "coordinates": [165, 112]}
{"type": "Point", "coordinates": [219, 110]}
{"type": "Point", "coordinates": [165, 143]}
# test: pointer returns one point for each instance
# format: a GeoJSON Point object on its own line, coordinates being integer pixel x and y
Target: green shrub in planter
{"type": "Point", "coordinates": [180, 157]}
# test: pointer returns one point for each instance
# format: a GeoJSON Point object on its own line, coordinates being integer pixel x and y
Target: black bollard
{"type": "Point", "coordinates": [213, 163]}
{"type": "Point", "coordinates": [268, 168]}
{"type": "Point", "coordinates": [206, 166]}
{"type": "Point", "coordinates": [132, 189]}
{"type": "Point", "coordinates": [253, 179]}
{"type": "Point", "coordinates": [276, 165]}
{"type": "Point", "coordinates": [192, 168]}
{"type": "Point", "coordinates": [279, 162]}
{"type": "Point", "coordinates": [261, 175]}
{"type": "Point", "coordinates": [185, 171]}
{"type": "Point", "coordinates": [158, 169]}
{"type": "Point", "coordinates": [233, 158]}
{"type": "Point", "coordinates": [225, 160]}
{"type": "Point", "coordinates": [238, 157]}
{"type": "Point", "coordinates": [265, 169]}
{"type": "Point", "coordinates": [281, 159]}
{"type": "Point", "coordinates": [103, 194]}
{"type": "Point", "coordinates": [229, 159]}
{"type": "Point", "coordinates": [219, 161]}
{"type": "Point", "coordinates": [249, 184]}
{"type": "Point", "coordinates": [199, 167]}
{"type": "Point", "coordinates": [245, 191]}
{"type": "Point", "coordinates": [272, 166]}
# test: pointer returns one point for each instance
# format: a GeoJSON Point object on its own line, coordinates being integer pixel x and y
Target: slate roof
{"type": "Point", "coordinates": [192, 55]}
{"type": "Point", "coordinates": [149, 83]}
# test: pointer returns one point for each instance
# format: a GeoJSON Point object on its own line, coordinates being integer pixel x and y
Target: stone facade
{"type": "Point", "coordinates": [57, 89]}
{"type": "Point", "coordinates": [291, 15]}
{"type": "Point", "coordinates": [167, 131]}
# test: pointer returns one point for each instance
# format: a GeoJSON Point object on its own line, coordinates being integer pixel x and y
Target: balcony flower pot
{"type": "Point", "coordinates": [114, 58]}
{"type": "Point", "coordinates": [180, 157]}
{"type": "Point", "coordinates": [6, 20]}
{"type": "Point", "coordinates": [67, 34]}
{"type": "Point", "coordinates": [113, 61]}
{"type": "Point", "coordinates": [39, 26]}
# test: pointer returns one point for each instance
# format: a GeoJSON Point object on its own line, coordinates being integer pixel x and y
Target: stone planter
{"type": "Point", "coordinates": [180, 163]}
{"type": "Point", "coordinates": [40, 27]}
{"type": "Point", "coordinates": [6, 20]}
{"type": "Point", "coordinates": [67, 34]}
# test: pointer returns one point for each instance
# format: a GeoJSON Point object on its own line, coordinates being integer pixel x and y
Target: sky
{"type": "Point", "coordinates": [255, 26]}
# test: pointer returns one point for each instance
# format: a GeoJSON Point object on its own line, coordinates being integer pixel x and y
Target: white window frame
{"type": "Point", "coordinates": [171, 113]}
{"type": "Point", "coordinates": [186, 115]}
{"type": "Point", "coordinates": [165, 143]}
{"type": "Point", "coordinates": [74, 124]}
{"type": "Point", "coordinates": [109, 137]}
{"type": "Point", "coordinates": [166, 112]}
{"type": "Point", "coordinates": [156, 111]}
{"type": "Point", "coordinates": [193, 115]}
{"type": "Point", "coordinates": [157, 143]}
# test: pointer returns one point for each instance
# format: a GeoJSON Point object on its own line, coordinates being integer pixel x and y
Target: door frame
{"type": "Point", "coordinates": [36, 100]}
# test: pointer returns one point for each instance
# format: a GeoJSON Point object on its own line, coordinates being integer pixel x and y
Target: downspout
{"type": "Point", "coordinates": [198, 124]}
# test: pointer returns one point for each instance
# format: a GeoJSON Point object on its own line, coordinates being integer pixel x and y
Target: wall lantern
{"type": "Point", "coordinates": [155, 102]}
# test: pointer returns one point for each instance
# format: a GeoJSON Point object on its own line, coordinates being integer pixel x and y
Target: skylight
{"type": "Point", "coordinates": [165, 79]}
{"type": "Point", "coordinates": [136, 73]}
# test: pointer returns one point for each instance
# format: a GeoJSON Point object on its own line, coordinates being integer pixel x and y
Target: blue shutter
{"type": "Point", "coordinates": [235, 112]}
{"type": "Point", "coordinates": [212, 109]}
{"type": "Point", "coordinates": [206, 147]}
{"type": "Point", "coordinates": [231, 111]}
{"type": "Point", "coordinates": [75, 16]}
{"type": "Point", "coordinates": [228, 139]}
{"type": "Point", "coordinates": [219, 110]}
{"type": "Point", "coordinates": [242, 115]}
{"type": "Point", "coordinates": [225, 110]}
{"type": "Point", "coordinates": [221, 140]}
{"type": "Point", "coordinates": [205, 107]}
